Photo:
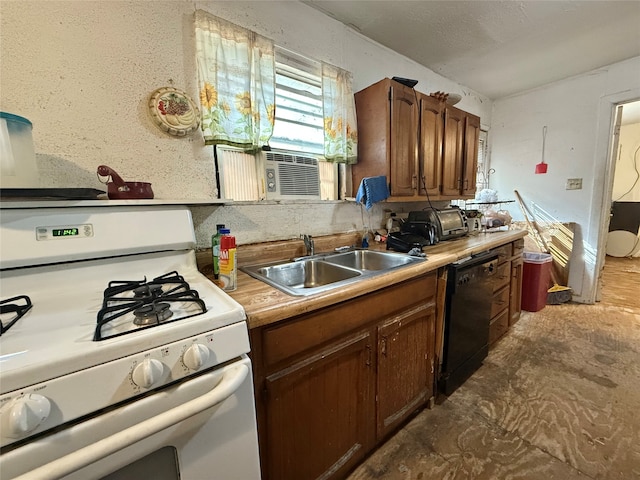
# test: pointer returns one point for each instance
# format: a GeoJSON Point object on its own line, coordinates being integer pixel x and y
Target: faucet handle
{"type": "Point", "coordinates": [308, 243]}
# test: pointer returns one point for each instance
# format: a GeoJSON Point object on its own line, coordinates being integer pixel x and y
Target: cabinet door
{"type": "Point", "coordinates": [405, 366]}
{"type": "Point", "coordinates": [515, 300]}
{"type": "Point", "coordinates": [319, 413]}
{"type": "Point", "coordinates": [430, 144]}
{"type": "Point", "coordinates": [471, 137]}
{"type": "Point", "coordinates": [452, 151]}
{"type": "Point", "coordinates": [404, 141]}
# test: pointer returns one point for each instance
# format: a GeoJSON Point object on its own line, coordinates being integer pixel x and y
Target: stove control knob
{"type": "Point", "coordinates": [148, 373]}
{"type": "Point", "coordinates": [195, 356]}
{"type": "Point", "coordinates": [24, 415]}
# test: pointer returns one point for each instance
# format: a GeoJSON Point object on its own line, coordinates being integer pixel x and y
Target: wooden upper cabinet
{"type": "Point", "coordinates": [387, 130]}
{"type": "Point", "coordinates": [452, 151]}
{"type": "Point", "coordinates": [422, 145]}
{"type": "Point", "coordinates": [404, 141]}
{"type": "Point", "coordinates": [430, 153]}
{"type": "Point", "coordinates": [459, 153]}
{"type": "Point", "coordinates": [470, 170]}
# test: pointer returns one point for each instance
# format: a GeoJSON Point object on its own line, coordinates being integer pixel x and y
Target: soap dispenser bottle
{"type": "Point", "coordinates": [365, 238]}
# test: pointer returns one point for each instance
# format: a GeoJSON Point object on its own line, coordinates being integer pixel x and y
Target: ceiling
{"type": "Point", "coordinates": [498, 48]}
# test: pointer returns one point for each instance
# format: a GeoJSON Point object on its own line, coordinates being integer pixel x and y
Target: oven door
{"type": "Point", "coordinates": [203, 427]}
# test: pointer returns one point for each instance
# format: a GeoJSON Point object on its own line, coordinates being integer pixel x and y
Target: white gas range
{"type": "Point", "coordinates": [117, 355]}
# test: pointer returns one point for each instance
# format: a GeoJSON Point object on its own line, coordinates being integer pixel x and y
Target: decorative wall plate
{"type": "Point", "coordinates": [174, 111]}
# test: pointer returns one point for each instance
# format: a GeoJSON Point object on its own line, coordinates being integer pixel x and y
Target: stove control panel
{"type": "Point", "coordinates": [30, 410]}
{"type": "Point", "coordinates": [60, 232]}
{"type": "Point", "coordinates": [149, 373]}
{"type": "Point", "coordinates": [196, 356]}
{"type": "Point", "coordinates": [24, 414]}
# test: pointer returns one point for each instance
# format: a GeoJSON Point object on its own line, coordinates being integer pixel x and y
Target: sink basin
{"type": "Point", "coordinates": [306, 274]}
{"type": "Point", "coordinates": [370, 260]}
{"type": "Point", "coordinates": [311, 275]}
{"type": "Point", "coordinates": [303, 277]}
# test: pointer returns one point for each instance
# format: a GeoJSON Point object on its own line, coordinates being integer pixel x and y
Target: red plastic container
{"type": "Point", "coordinates": [536, 274]}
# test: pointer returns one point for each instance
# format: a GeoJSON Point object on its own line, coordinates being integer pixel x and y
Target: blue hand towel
{"type": "Point", "coordinates": [372, 190]}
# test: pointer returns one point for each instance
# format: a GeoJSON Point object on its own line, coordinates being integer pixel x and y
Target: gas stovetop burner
{"type": "Point", "coordinates": [147, 290]}
{"type": "Point", "coordinates": [152, 313]}
{"type": "Point", "coordinates": [18, 305]}
{"type": "Point", "coordinates": [149, 303]}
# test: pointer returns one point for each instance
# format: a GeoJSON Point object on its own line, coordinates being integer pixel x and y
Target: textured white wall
{"type": "Point", "coordinates": [82, 72]}
{"type": "Point", "coordinates": [578, 115]}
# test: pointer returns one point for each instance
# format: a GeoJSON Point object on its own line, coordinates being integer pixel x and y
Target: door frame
{"type": "Point", "coordinates": [598, 229]}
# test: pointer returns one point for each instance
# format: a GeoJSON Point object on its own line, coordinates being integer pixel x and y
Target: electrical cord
{"type": "Point", "coordinates": [635, 167]}
{"type": "Point", "coordinates": [424, 184]}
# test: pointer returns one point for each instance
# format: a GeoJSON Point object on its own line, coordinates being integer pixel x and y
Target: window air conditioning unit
{"type": "Point", "coordinates": [274, 175]}
{"type": "Point", "coordinates": [290, 176]}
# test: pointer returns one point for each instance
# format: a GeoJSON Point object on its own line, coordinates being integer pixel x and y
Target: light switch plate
{"type": "Point", "coordinates": [574, 184]}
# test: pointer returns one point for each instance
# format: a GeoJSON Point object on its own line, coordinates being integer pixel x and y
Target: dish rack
{"type": "Point", "coordinates": [482, 208]}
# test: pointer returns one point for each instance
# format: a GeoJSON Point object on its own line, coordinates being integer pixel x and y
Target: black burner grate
{"type": "Point", "coordinates": [125, 297]}
{"type": "Point", "coordinates": [9, 306]}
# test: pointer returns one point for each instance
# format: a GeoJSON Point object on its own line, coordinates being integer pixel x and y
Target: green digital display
{"type": "Point", "coordinates": [65, 232]}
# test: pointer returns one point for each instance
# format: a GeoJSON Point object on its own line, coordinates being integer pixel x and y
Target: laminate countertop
{"type": "Point", "coordinates": [265, 304]}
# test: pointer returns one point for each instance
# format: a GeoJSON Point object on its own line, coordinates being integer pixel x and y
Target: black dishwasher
{"type": "Point", "coordinates": [467, 315]}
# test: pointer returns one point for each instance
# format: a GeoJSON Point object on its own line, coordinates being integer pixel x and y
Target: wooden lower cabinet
{"type": "Point", "coordinates": [515, 301]}
{"type": "Point", "coordinates": [318, 410]}
{"type": "Point", "coordinates": [405, 366]}
{"type": "Point", "coordinates": [332, 384]}
{"type": "Point", "coordinates": [506, 303]}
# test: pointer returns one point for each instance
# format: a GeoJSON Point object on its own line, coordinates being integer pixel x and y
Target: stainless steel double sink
{"type": "Point", "coordinates": [323, 272]}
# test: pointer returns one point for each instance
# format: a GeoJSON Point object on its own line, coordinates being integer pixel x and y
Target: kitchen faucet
{"type": "Point", "coordinates": [308, 243]}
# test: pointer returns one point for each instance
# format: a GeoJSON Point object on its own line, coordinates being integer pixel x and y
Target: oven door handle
{"type": "Point", "coordinates": [72, 462]}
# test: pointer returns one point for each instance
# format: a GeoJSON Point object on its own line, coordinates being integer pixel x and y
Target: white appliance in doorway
{"type": "Point", "coordinates": [118, 358]}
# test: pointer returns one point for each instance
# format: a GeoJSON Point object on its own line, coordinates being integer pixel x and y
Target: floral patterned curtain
{"type": "Point", "coordinates": [340, 133]}
{"type": "Point", "coordinates": [236, 79]}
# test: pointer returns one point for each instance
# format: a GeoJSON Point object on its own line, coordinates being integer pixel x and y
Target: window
{"type": "Point", "coordinates": [299, 124]}
{"type": "Point", "coordinates": [482, 177]}
{"type": "Point", "coordinates": [298, 133]}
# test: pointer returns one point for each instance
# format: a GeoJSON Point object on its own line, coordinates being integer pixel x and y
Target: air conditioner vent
{"type": "Point", "coordinates": [297, 176]}
{"type": "Point", "coordinates": [299, 180]}
{"type": "Point", "coordinates": [297, 159]}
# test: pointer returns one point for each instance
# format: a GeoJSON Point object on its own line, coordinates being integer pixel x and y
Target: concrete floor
{"type": "Point", "coordinates": [558, 397]}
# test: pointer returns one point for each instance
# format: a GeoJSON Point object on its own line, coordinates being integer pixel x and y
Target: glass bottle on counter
{"type": "Point", "coordinates": [215, 250]}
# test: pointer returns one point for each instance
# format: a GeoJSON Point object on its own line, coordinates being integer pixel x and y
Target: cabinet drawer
{"type": "Point", "coordinates": [498, 326]}
{"type": "Point", "coordinates": [518, 247]}
{"type": "Point", "coordinates": [502, 276]}
{"type": "Point", "coordinates": [504, 252]}
{"type": "Point", "coordinates": [293, 337]}
{"type": "Point", "coordinates": [500, 301]}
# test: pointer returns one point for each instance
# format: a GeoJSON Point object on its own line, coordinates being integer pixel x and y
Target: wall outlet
{"type": "Point", "coordinates": [574, 184]}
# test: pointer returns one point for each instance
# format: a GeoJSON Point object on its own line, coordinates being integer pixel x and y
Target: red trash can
{"type": "Point", "coordinates": [536, 274]}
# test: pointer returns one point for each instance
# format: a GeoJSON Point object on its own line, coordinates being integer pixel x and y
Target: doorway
{"type": "Point", "coordinates": [623, 239]}
{"type": "Point", "coordinates": [620, 219]}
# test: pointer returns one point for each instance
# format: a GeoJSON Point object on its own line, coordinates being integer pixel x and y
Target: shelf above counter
{"type": "Point", "coordinates": [56, 203]}
{"type": "Point", "coordinates": [52, 202]}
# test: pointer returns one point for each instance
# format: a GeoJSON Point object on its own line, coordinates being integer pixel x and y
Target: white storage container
{"type": "Point", "coordinates": [17, 155]}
